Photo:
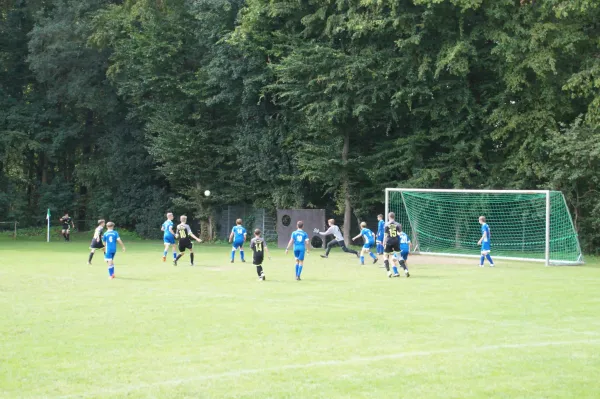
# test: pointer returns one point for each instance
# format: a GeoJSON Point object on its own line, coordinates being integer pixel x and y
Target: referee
{"type": "Point", "coordinates": [337, 241]}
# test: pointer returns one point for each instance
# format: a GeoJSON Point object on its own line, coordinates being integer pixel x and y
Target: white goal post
{"type": "Point", "coordinates": [525, 225]}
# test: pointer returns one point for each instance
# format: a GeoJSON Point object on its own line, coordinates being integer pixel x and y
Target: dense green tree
{"type": "Point", "coordinates": [107, 107]}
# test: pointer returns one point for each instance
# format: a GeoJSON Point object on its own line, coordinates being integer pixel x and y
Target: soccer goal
{"type": "Point", "coordinates": [530, 225]}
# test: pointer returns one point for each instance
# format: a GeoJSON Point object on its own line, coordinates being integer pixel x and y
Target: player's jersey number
{"type": "Point", "coordinates": [393, 232]}
{"type": "Point", "coordinates": [299, 238]}
{"type": "Point", "coordinates": [259, 246]}
{"type": "Point", "coordinates": [110, 239]}
{"type": "Point", "coordinates": [182, 233]}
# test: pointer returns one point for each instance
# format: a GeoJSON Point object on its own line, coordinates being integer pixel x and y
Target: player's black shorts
{"type": "Point", "coordinates": [185, 244]}
{"type": "Point", "coordinates": [392, 246]}
{"type": "Point", "coordinates": [258, 259]}
{"type": "Point", "coordinates": [65, 227]}
{"type": "Point", "coordinates": [96, 244]}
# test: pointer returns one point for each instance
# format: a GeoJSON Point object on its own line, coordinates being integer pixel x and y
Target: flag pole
{"type": "Point", "coordinates": [48, 231]}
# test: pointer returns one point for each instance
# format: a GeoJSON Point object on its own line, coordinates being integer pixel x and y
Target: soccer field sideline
{"type": "Point", "coordinates": [192, 332]}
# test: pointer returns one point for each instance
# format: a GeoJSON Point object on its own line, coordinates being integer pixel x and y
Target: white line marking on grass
{"type": "Point", "coordinates": [322, 363]}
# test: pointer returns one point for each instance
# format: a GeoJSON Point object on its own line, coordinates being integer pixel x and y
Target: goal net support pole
{"type": "Point", "coordinates": [531, 225]}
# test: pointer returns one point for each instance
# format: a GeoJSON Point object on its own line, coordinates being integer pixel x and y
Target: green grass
{"type": "Point", "coordinates": [452, 330]}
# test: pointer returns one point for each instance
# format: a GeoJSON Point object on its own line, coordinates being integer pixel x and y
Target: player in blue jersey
{"type": "Point", "coordinates": [168, 237]}
{"type": "Point", "coordinates": [485, 242]}
{"type": "Point", "coordinates": [238, 238]}
{"type": "Point", "coordinates": [369, 238]}
{"type": "Point", "coordinates": [380, 234]}
{"type": "Point", "coordinates": [301, 247]}
{"type": "Point", "coordinates": [110, 239]}
{"type": "Point", "coordinates": [405, 245]}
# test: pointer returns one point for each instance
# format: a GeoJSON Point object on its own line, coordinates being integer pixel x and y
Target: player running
{"type": "Point", "coordinates": [96, 240]}
{"type": "Point", "coordinates": [380, 233]}
{"type": "Point", "coordinates": [238, 237]}
{"type": "Point", "coordinates": [369, 239]}
{"type": "Point", "coordinates": [485, 243]}
{"type": "Point", "coordinates": [67, 223]}
{"type": "Point", "coordinates": [184, 235]}
{"type": "Point", "coordinates": [301, 247]}
{"type": "Point", "coordinates": [110, 238]}
{"type": "Point", "coordinates": [391, 243]}
{"type": "Point", "coordinates": [168, 237]}
{"type": "Point", "coordinates": [259, 247]}
{"type": "Point", "coordinates": [337, 241]}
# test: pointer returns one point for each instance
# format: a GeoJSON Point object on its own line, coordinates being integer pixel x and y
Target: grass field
{"type": "Point", "coordinates": [451, 330]}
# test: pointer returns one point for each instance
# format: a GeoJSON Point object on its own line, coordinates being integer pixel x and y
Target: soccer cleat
{"type": "Point", "coordinates": [174, 263]}
{"type": "Point", "coordinates": [297, 278]}
{"type": "Point", "coordinates": [375, 261]}
{"type": "Point", "coordinates": [231, 261]}
{"type": "Point", "coordinates": [389, 274]}
{"type": "Point", "coordinates": [191, 264]}
{"type": "Point", "coordinates": [111, 277]}
{"type": "Point", "coordinates": [324, 256]}
{"type": "Point", "coordinates": [406, 273]}
{"type": "Point", "coordinates": [89, 263]}
{"type": "Point", "coordinates": [164, 258]}
{"type": "Point", "coordinates": [491, 265]}
{"type": "Point", "coordinates": [357, 255]}
{"type": "Point", "coordinates": [263, 277]}
{"type": "Point", "coordinates": [243, 260]}
{"type": "Point", "coordinates": [395, 275]}
{"type": "Point", "coordinates": [481, 266]}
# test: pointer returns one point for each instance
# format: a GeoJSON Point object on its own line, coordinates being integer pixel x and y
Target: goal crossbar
{"type": "Point", "coordinates": [560, 242]}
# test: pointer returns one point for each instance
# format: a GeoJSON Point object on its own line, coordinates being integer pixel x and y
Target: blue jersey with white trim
{"type": "Point", "coordinates": [110, 238]}
{"type": "Point", "coordinates": [166, 227]}
{"type": "Point", "coordinates": [485, 234]}
{"type": "Point", "coordinates": [238, 233]}
{"type": "Point", "coordinates": [404, 242]}
{"type": "Point", "coordinates": [299, 237]}
{"type": "Point", "coordinates": [368, 236]}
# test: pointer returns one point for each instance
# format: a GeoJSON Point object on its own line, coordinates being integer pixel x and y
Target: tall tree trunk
{"type": "Point", "coordinates": [346, 189]}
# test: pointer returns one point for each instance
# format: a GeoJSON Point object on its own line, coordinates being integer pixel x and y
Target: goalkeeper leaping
{"type": "Point", "coordinates": [337, 241]}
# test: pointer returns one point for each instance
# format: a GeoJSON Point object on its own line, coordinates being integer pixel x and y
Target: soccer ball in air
{"type": "Point", "coordinates": [207, 193]}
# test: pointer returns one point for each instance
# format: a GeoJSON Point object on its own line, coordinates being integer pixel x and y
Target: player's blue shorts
{"type": "Point", "coordinates": [299, 254]}
{"type": "Point", "coordinates": [404, 254]}
{"type": "Point", "coordinates": [238, 244]}
{"type": "Point", "coordinates": [380, 238]}
{"type": "Point", "coordinates": [368, 245]}
{"type": "Point", "coordinates": [485, 246]}
{"type": "Point", "coordinates": [170, 239]}
{"type": "Point", "coordinates": [109, 255]}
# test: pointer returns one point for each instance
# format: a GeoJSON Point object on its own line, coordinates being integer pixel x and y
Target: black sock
{"type": "Point", "coordinates": [178, 257]}
{"type": "Point", "coordinates": [259, 270]}
{"type": "Point", "coordinates": [65, 236]}
{"type": "Point", "coordinates": [68, 237]}
{"type": "Point", "coordinates": [90, 258]}
{"type": "Point", "coordinates": [403, 264]}
{"type": "Point", "coordinates": [192, 258]}
{"type": "Point", "coordinates": [387, 265]}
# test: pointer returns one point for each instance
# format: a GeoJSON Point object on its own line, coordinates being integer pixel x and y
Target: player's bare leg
{"type": "Point", "coordinates": [386, 263]}
{"type": "Point", "coordinates": [165, 252]}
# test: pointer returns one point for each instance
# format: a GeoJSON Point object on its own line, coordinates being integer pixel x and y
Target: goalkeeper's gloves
{"type": "Point", "coordinates": [316, 231]}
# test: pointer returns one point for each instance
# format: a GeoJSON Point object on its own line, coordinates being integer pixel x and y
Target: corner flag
{"type": "Point", "coordinates": [48, 232]}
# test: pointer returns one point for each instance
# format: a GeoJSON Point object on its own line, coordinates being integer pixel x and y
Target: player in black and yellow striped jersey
{"type": "Point", "coordinates": [259, 248]}
{"type": "Point", "coordinates": [391, 244]}
{"type": "Point", "coordinates": [184, 234]}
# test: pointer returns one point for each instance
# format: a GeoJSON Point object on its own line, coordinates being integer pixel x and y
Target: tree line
{"type": "Point", "coordinates": [126, 108]}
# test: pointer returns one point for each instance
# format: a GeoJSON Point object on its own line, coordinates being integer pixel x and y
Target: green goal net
{"type": "Point", "coordinates": [524, 225]}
